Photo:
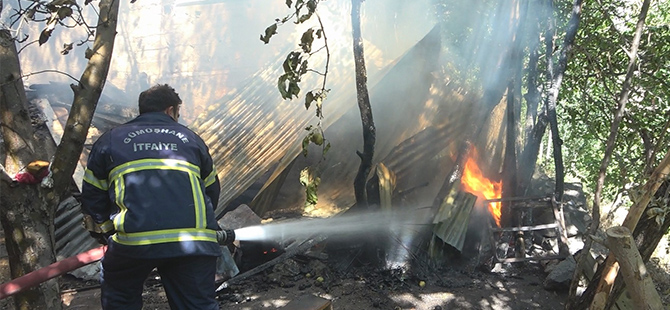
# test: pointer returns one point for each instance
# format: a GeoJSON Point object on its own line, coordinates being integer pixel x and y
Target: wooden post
{"type": "Point", "coordinates": [611, 268]}
{"type": "Point", "coordinates": [639, 283]}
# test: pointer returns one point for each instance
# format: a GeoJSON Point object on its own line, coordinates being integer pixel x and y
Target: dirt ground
{"type": "Point", "coordinates": [458, 286]}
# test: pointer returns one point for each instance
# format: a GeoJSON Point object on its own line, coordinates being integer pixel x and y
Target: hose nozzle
{"type": "Point", "coordinates": [225, 236]}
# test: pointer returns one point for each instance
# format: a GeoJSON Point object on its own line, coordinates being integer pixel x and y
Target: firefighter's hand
{"type": "Point", "coordinates": [101, 237]}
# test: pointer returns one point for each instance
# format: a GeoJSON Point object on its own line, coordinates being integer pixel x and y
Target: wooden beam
{"type": "Point", "coordinates": [637, 278]}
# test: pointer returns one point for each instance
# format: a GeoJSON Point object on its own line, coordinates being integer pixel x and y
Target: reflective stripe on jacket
{"type": "Point", "coordinates": [154, 179]}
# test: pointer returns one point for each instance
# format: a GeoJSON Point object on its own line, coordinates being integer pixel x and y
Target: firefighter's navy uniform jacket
{"type": "Point", "coordinates": [153, 181]}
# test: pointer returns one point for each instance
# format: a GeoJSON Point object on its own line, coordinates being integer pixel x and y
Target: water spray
{"type": "Point", "coordinates": [354, 225]}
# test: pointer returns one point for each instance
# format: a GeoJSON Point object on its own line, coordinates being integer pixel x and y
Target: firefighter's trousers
{"type": "Point", "coordinates": [188, 281]}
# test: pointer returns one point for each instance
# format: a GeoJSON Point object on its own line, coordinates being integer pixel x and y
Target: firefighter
{"type": "Point", "coordinates": [149, 188]}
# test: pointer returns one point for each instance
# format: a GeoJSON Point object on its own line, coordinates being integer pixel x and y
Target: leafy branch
{"type": "Point", "coordinates": [64, 13]}
{"type": "Point", "coordinates": [295, 66]}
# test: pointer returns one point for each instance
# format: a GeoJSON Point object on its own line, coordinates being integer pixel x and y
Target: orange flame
{"type": "Point", "coordinates": [474, 182]}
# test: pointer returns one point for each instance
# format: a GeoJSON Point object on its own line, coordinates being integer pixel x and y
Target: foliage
{"type": "Point", "coordinates": [592, 83]}
{"type": "Point", "coordinates": [63, 13]}
{"type": "Point", "coordinates": [310, 180]}
{"type": "Point", "coordinates": [659, 206]}
{"type": "Point", "coordinates": [295, 66]}
{"type": "Point", "coordinates": [592, 88]}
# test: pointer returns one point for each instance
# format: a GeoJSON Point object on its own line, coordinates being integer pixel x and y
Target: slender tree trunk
{"type": "Point", "coordinates": [369, 131]}
{"type": "Point", "coordinates": [555, 75]}
{"type": "Point", "coordinates": [513, 108]}
{"type": "Point", "coordinates": [527, 159]}
{"type": "Point", "coordinates": [568, 43]}
{"type": "Point", "coordinates": [609, 273]}
{"type": "Point", "coordinates": [86, 96]}
{"type": "Point", "coordinates": [372, 247]}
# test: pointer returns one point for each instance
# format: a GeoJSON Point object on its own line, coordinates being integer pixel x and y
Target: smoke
{"type": "Point", "coordinates": [207, 49]}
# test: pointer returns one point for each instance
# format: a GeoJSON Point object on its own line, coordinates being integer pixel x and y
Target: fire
{"type": "Point", "coordinates": [474, 182]}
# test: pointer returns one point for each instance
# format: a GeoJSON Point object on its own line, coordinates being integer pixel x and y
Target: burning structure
{"type": "Point", "coordinates": [427, 122]}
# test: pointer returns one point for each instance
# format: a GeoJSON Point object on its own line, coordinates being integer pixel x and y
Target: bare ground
{"type": "Point", "coordinates": [451, 287]}
{"type": "Point", "coordinates": [456, 286]}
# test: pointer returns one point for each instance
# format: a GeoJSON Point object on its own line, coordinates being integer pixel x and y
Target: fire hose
{"type": "Point", "coordinates": [56, 269]}
{"type": "Point", "coordinates": [61, 267]}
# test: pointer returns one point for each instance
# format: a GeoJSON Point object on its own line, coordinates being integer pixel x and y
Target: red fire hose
{"type": "Point", "coordinates": [49, 272]}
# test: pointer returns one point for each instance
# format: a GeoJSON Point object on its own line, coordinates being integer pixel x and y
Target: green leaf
{"type": "Point", "coordinates": [310, 181]}
{"type": "Point", "coordinates": [281, 85]}
{"type": "Point", "coordinates": [319, 104]}
{"type": "Point", "coordinates": [67, 47]}
{"type": "Point", "coordinates": [44, 35]}
{"type": "Point", "coordinates": [326, 149]}
{"type": "Point", "coordinates": [311, 6]}
{"type": "Point", "coordinates": [303, 67]}
{"type": "Point", "coordinates": [30, 14]}
{"type": "Point", "coordinates": [89, 53]}
{"type": "Point", "coordinates": [269, 32]}
{"type": "Point", "coordinates": [64, 12]}
{"type": "Point", "coordinates": [293, 88]}
{"type": "Point", "coordinates": [306, 40]}
{"type": "Point", "coordinates": [291, 62]}
{"type": "Point", "coordinates": [316, 137]}
{"type": "Point", "coordinates": [305, 145]}
{"type": "Point", "coordinates": [304, 18]}
{"type": "Point", "coordinates": [309, 97]}
{"type": "Point", "coordinates": [289, 3]}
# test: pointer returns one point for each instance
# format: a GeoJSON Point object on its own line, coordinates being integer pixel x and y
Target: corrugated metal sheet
{"type": "Point", "coordinates": [251, 130]}
{"type": "Point", "coordinates": [452, 219]}
{"type": "Point", "coordinates": [419, 116]}
{"type": "Point", "coordinates": [72, 238]}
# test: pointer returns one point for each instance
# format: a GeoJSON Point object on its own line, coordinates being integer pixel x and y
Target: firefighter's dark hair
{"type": "Point", "coordinates": [158, 98]}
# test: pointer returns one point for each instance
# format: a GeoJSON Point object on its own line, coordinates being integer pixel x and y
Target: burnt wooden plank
{"type": "Point", "coordinates": [527, 228]}
{"type": "Point", "coordinates": [309, 302]}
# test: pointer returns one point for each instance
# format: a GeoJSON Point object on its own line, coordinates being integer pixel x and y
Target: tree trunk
{"type": "Point", "coordinates": [27, 223]}
{"type": "Point", "coordinates": [638, 281]}
{"type": "Point", "coordinates": [647, 235]}
{"type": "Point", "coordinates": [372, 247]}
{"type": "Point", "coordinates": [528, 158]}
{"type": "Point", "coordinates": [609, 273]}
{"type": "Point", "coordinates": [512, 114]}
{"type": "Point", "coordinates": [28, 210]}
{"type": "Point", "coordinates": [557, 81]}
{"type": "Point", "coordinates": [555, 75]}
{"type": "Point", "coordinates": [86, 95]}
{"type": "Point", "coordinates": [369, 131]}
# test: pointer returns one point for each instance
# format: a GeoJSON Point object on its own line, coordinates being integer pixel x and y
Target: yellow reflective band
{"type": "Point", "coordinates": [165, 236]}
{"type": "Point", "coordinates": [153, 164]}
{"type": "Point", "coordinates": [199, 201]}
{"type": "Point", "coordinates": [211, 178]}
{"type": "Point", "coordinates": [106, 226]}
{"type": "Point", "coordinates": [120, 189]}
{"type": "Point", "coordinates": [90, 178]}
